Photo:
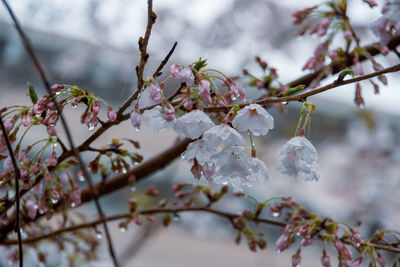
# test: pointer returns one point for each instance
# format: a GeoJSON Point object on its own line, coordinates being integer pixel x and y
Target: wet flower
{"type": "Point", "coordinates": [8, 124]}
{"type": "Point", "coordinates": [185, 76]}
{"type": "Point", "coordinates": [254, 118]}
{"type": "Point", "coordinates": [204, 89]}
{"type": "Point", "coordinates": [32, 208]}
{"type": "Point", "coordinates": [168, 113]}
{"type": "Point", "coordinates": [193, 124]}
{"type": "Point", "coordinates": [156, 119]}
{"type": "Point", "coordinates": [154, 92]}
{"type": "Point", "coordinates": [8, 165]}
{"type": "Point", "coordinates": [298, 157]}
{"type": "Point", "coordinates": [136, 120]}
{"type": "Point", "coordinates": [112, 115]}
{"type": "Point", "coordinates": [52, 161]}
{"type": "Point", "coordinates": [223, 135]}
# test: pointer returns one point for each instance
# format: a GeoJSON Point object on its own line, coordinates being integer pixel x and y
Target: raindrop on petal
{"type": "Point", "coordinates": [91, 126]}
{"type": "Point", "coordinates": [74, 106]}
{"type": "Point", "coordinates": [99, 234]}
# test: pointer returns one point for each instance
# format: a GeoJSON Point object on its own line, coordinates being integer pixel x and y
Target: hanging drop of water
{"type": "Point", "coordinates": [91, 126]}
{"type": "Point", "coordinates": [122, 229]}
{"type": "Point", "coordinates": [74, 106]}
{"type": "Point", "coordinates": [99, 234]}
{"type": "Point", "coordinates": [54, 145]}
{"type": "Point", "coordinates": [233, 97]}
{"type": "Point", "coordinates": [124, 170]}
{"type": "Point", "coordinates": [137, 129]}
{"type": "Point", "coordinates": [81, 178]}
{"type": "Point", "coordinates": [53, 200]}
{"type": "Point", "coordinates": [275, 214]}
{"type": "Point", "coordinates": [73, 204]}
{"type": "Point", "coordinates": [285, 103]}
{"type": "Point", "coordinates": [176, 217]}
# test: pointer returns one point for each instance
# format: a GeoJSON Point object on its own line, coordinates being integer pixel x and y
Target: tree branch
{"type": "Point", "coordinates": [29, 48]}
{"type": "Point", "coordinates": [17, 196]}
{"type": "Point", "coordinates": [303, 96]}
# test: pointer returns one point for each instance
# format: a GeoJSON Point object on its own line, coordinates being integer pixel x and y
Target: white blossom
{"type": "Point", "coordinates": [259, 171]}
{"type": "Point", "coordinates": [254, 118]}
{"type": "Point", "coordinates": [223, 135]}
{"type": "Point", "coordinates": [156, 119]}
{"type": "Point", "coordinates": [199, 150]}
{"type": "Point", "coordinates": [298, 157]}
{"type": "Point", "coordinates": [193, 124]}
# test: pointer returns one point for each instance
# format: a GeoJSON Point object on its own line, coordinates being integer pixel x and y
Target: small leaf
{"type": "Point", "coordinates": [200, 64]}
{"type": "Point", "coordinates": [344, 73]}
{"type": "Point", "coordinates": [32, 93]}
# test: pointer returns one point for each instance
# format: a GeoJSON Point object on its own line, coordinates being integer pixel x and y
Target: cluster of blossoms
{"type": "Point", "coordinates": [218, 154]}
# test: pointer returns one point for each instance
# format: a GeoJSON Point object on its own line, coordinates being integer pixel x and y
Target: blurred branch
{"type": "Point", "coordinates": [303, 96]}
{"type": "Point", "coordinates": [17, 196]}
{"type": "Point", "coordinates": [164, 61]}
{"type": "Point", "coordinates": [227, 215]}
{"type": "Point", "coordinates": [29, 48]}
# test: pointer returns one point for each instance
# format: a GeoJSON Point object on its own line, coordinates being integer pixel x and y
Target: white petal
{"type": "Point", "coordinates": [193, 124]}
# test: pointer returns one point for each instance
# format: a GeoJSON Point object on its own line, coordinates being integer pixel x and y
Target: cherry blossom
{"type": "Point", "coordinates": [254, 118]}
{"type": "Point", "coordinates": [193, 124]}
{"type": "Point", "coordinates": [136, 120]}
{"type": "Point", "coordinates": [156, 119]}
{"type": "Point", "coordinates": [298, 157]}
{"type": "Point", "coordinates": [32, 208]}
{"type": "Point", "coordinates": [154, 92]}
{"type": "Point", "coordinates": [185, 75]}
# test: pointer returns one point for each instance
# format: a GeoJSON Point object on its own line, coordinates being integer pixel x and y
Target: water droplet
{"type": "Point", "coordinates": [358, 245]}
{"type": "Point", "coordinates": [74, 106]}
{"type": "Point", "coordinates": [41, 211]}
{"type": "Point", "coordinates": [183, 156]}
{"type": "Point", "coordinates": [123, 170]}
{"type": "Point", "coordinates": [275, 214]}
{"type": "Point", "coordinates": [285, 103]}
{"type": "Point", "coordinates": [54, 200]}
{"type": "Point", "coordinates": [58, 93]}
{"type": "Point", "coordinates": [23, 234]}
{"type": "Point", "coordinates": [91, 126]}
{"type": "Point", "coordinates": [176, 217]}
{"type": "Point", "coordinates": [137, 129]}
{"type": "Point", "coordinates": [225, 182]}
{"type": "Point", "coordinates": [278, 251]}
{"type": "Point", "coordinates": [298, 265]}
{"type": "Point", "coordinates": [54, 145]}
{"type": "Point", "coordinates": [233, 97]}
{"type": "Point", "coordinates": [136, 163]}
{"type": "Point", "coordinates": [81, 178]}
{"type": "Point", "coordinates": [122, 229]}
{"type": "Point", "coordinates": [73, 204]}
{"type": "Point", "coordinates": [99, 234]}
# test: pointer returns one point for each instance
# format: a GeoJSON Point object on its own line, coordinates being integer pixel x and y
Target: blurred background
{"type": "Point", "coordinates": [93, 44]}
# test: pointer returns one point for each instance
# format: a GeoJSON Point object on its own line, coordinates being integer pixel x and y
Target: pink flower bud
{"type": "Point", "coordinates": [325, 260]}
{"type": "Point", "coordinates": [57, 87]}
{"type": "Point", "coordinates": [51, 131]}
{"type": "Point", "coordinates": [26, 121]}
{"type": "Point", "coordinates": [8, 124]}
{"type": "Point", "coordinates": [347, 35]}
{"type": "Point", "coordinates": [32, 208]}
{"type": "Point", "coordinates": [169, 113]}
{"type": "Point", "coordinates": [259, 84]}
{"type": "Point", "coordinates": [188, 104]}
{"type": "Point", "coordinates": [185, 76]}
{"type": "Point", "coordinates": [154, 91]}
{"type": "Point", "coordinates": [52, 161]}
{"type": "Point", "coordinates": [95, 108]}
{"type": "Point", "coordinates": [112, 115]}
{"type": "Point", "coordinates": [174, 69]}
{"type": "Point", "coordinates": [8, 165]}
{"type": "Point", "coordinates": [135, 119]}
{"type": "Point", "coordinates": [359, 100]}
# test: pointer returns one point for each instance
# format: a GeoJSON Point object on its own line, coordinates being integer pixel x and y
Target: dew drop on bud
{"type": "Point", "coordinates": [81, 178]}
{"type": "Point", "coordinates": [54, 201]}
{"type": "Point", "coordinates": [176, 217]}
{"type": "Point", "coordinates": [91, 126]}
{"type": "Point", "coordinates": [99, 234]}
{"type": "Point", "coordinates": [233, 97]}
{"type": "Point", "coordinates": [275, 214]}
{"type": "Point", "coordinates": [122, 229]}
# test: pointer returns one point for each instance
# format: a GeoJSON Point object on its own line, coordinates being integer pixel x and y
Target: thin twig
{"type": "Point", "coordinates": [144, 212]}
{"type": "Point", "coordinates": [164, 61]}
{"type": "Point", "coordinates": [220, 213]}
{"type": "Point", "coordinates": [144, 56]}
{"type": "Point", "coordinates": [17, 196]}
{"type": "Point", "coordinates": [28, 46]}
{"type": "Point", "coordinates": [303, 96]}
